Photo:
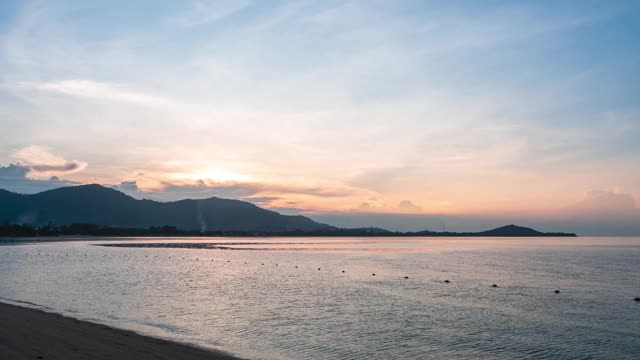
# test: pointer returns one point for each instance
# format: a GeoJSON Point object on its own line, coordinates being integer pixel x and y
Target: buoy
{"type": "Point", "coordinates": [342, 270]}
{"type": "Point", "coordinates": [318, 268]}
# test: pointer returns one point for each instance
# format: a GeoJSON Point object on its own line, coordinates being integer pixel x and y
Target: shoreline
{"type": "Point", "coordinates": [28, 333]}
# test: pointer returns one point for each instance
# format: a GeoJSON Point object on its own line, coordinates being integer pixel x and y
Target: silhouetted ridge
{"type": "Point", "coordinates": [508, 230]}
{"type": "Point", "coordinates": [512, 230]}
{"type": "Point", "coordinates": [96, 204]}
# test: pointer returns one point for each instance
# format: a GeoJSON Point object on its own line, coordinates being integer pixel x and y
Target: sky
{"type": "Point", "coordinates": [401, 114]}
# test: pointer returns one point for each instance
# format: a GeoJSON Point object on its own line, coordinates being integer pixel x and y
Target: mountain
{"type": "Point", "coordinates": [508, 230]}
{"type": "Point", "coordinates": [96, 204]}
{"type": "Point", "coordinates": [513, 230]}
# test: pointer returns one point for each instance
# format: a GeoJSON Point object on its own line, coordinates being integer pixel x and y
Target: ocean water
{"type": "Point", "coordinates": [288, 298]}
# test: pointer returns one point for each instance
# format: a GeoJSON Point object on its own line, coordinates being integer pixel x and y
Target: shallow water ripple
{"type": "Point", "coordinates": [283, 298]}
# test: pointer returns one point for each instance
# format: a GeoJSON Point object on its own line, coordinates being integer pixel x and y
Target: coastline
{"type": "Point", "coordinates": [34, 334]}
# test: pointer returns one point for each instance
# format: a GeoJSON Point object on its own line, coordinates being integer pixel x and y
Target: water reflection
{"type": "Point", "coordinates": [268, 304]}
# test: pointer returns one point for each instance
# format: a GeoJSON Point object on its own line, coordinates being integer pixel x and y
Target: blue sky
{"type": "Point", "coordinates": [516, 109]}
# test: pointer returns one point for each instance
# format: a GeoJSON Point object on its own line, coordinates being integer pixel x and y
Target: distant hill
{"type": "Point", "coordinates": [514, 230]}
{"type": "Point", "coordinates": [508, 230]}
{"type": "Point", "coordinates": [96, 204]}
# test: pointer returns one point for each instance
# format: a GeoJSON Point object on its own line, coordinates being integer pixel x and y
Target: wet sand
{"type": "Point", "coordinates": [33, 334]}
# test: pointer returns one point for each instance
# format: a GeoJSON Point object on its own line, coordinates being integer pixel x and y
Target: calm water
{"type": "Point", "coordinates": [225, 298]}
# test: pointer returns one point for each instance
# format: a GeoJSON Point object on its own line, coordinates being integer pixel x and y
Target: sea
{"type": "Point", "coordinates": [345, 298]}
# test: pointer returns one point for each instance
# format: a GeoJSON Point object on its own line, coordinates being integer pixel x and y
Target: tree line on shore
{"type": "Point", "coordinates": [49, 230]}
{"type": "Point", "coordinates": [24, 230]}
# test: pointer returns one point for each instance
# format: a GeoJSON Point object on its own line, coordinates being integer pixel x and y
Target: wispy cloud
{"type": "Point", "coordinates": [409, 207]}
{"type": "Point", "coordinates": [607, 200]}
{"type": "Point", "coordinates": [99, 91]}
{"type": "Point", "coordinates": [258, 192]}
{"type": "Point", "coordinates": [208, 11]}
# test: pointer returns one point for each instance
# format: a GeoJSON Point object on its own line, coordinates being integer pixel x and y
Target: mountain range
{"type": "Point", "coordinates": [109, 210]}
{"type": "Point", "coordinates": [96, 204]}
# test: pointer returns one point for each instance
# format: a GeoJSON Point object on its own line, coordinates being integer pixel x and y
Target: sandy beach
{"type": "Point", "coordinates": [33, 334]}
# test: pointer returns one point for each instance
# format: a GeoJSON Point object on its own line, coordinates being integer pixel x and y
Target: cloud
{"type": "Point", "coordinates": [13, 177]}
{"type": "Point", "coordinates": [408, 206]}
{"type": "Point", "coordinates": [276, 197]}
{"type": "Point", "coordinates": [374, 205]}
{"type": "Point", "coordinates": [261, 200]}
{"type": "Point", "coordinates": [259, 193]}
{"type": "Point", "coordinates": [605, 205]}
{"type": "Point", "coordinates": [607, 200]}
{"type": "Point", "coordinates": [289, 210]}
{"type": "Point", "coordinates": [130, 188]}
{"type": "Point", "coordinates": [99, 91]}
{"type": "Point", "coordinates": [385, 179]}
{"type": "Point", "coordinates": [315, 191]}
{"type": "Point", "coordinates": [127, 186]}
{"type": "Point", "coordinates": [13, 171]}
{"type": "Point", "coordinates": [365, 206]}
{"type": "Point", "coordinates": [202, 189]}
{"type": "Point", "coordinates": [66, 167]}
{"type": "Point", "coordinates": [205, 12]}
{"type": "Point", "coordinates": [41, 164]}
{"type": "Point", "coordinates": [248, 189]}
